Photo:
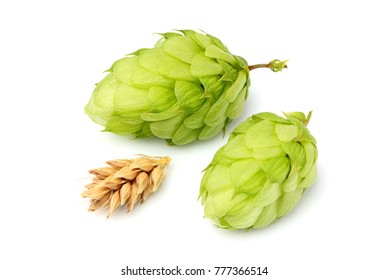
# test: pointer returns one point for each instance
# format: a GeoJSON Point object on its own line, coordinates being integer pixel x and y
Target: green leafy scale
{"type": "Point", "coordinates": [261, 173]}
{"type": "Point", "coordinates": [187, 87]}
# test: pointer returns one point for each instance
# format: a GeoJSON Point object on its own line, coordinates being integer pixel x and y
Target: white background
{"type": "Point", "coordinates": [52, 54]}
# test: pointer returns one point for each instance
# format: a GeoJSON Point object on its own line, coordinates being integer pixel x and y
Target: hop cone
{"type": "Point", "coordinates": [187, 87]}
{"type": "Point", "coordinates": [261, 173]}
{"type": "Point", "coordinates": [125, 182]}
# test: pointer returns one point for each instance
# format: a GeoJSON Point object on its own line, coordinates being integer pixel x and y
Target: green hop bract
{"type": "Point", "coordinates": [187, 87]}
{"type": "Point", "coordinates": [261, 173]}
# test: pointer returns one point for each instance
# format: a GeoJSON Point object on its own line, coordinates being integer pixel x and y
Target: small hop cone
{"type": "Point", "coordinates": [261, 173]}
{"type": "Point", "coordinates": [124, 182]}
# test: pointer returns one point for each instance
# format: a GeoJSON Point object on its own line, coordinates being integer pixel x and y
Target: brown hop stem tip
{"type": "Point", "coordinates": [124, 182]}
{"type": "Point", "coordinates": [274, 65]}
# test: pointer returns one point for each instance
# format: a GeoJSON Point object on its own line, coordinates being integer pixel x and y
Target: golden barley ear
{"type": "Point", "coordinates": [125, 182]}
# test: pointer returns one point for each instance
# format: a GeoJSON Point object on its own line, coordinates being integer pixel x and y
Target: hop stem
{"type": "Point", "coordinates": [308, 118]}
{"type": "Point", "coordinates": [274, 65]}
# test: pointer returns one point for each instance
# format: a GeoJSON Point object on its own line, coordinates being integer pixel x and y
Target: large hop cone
{"type": "Point", "coordinates": [261, 173]}
{"type": "Point", "coordinates": [187, 87]}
